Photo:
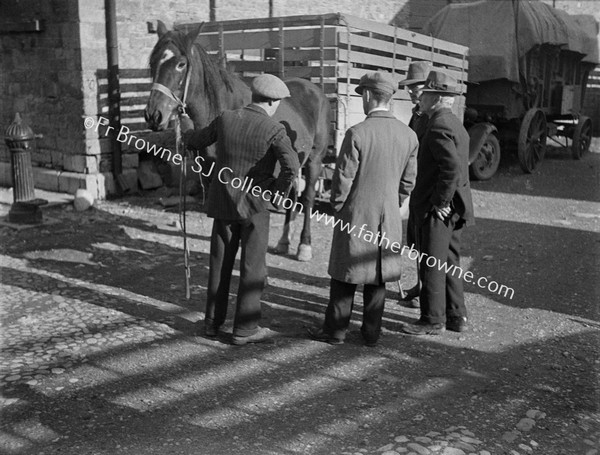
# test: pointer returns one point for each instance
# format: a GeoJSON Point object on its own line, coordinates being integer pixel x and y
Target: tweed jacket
{"type": "Point", "coordinates": [249, 144]}
{"type": "Point", "coordinates": [443, 164]}
{"type": "Point", "coordinates": [375, 173]}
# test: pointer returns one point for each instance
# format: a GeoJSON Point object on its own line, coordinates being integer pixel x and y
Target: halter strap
{"type": "Point", "coordinates": [181, 105]}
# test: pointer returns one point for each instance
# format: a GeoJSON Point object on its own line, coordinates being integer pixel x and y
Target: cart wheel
{"type": "Point", "coordinates": [582, 137]}
{"type": "Point", "coordinates": [532, 140]}
{"type": "Point", "coordinates": [485, 164]}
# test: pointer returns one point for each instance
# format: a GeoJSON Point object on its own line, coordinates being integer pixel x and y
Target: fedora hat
{"type": "Point", "coordinates": [269, 86]}
{"type": "Point", "coordinates": [377, 80]}
{"type": "Point", "coordinates": [440, 82]}
{"type": "Point", "coordinates": [417, 73]}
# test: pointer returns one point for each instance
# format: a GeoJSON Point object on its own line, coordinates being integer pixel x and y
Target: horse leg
{"type": "Point", "coordinates": [283, 245]}
{"type": "Point", "coordinates": [313, 170]}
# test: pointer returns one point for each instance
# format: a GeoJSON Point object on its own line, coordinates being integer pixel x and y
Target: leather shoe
{"type": "Point", "coordinates": [262, 335]}
{"type": "Point", "coordinates": [411, 293]}
{"type": "Point", "coordinates": [321, 335]}
{"type": "Point", "coordinates": [423, 328]}
{"type": "Point", "coordinates": [211, 331]}
{"type": "Point", "coordinates": [457, 324]}
{"type": "Point", "coordinates": [410, 299]}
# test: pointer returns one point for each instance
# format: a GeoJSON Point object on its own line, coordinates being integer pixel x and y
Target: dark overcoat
{"type": "Point", "coordinates": [443, 162]}
{"type": "Point", "coordinates": [375, 172]}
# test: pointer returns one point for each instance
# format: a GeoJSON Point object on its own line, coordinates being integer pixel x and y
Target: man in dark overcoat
{"type": "Point", "coordinates": [441, 204]}
{"type": "Point", "coordinates": [374, 174]}
{"type": "Point", "coordinates": [249, 144]}
{"type": "Point", "coordinates": [415, 82]}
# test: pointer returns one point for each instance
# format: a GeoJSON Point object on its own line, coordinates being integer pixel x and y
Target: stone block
{"type": "Point", "coordinates": [130, 160]}
{"type": "Point", "coordinates": [46, 179]}
{"type": "Point", "coordinates": [148, 176]}
{"type": "Point", "coordinates": [70, 182]}
{"type": "Point", "coordinates": [86, 164]}
{"type": "Point", "coordinates": [107, 181]}
{"type": "Point", "coordinates": [130, 177]}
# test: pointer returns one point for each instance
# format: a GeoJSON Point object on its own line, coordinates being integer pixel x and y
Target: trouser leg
{"type": "Point", "coordinates": [455, 298]}
{"type": "Point", "coordinates": [434, 241]}
{"type": "Point", "coordinates": [374, 302]}
{"type": "Point", "coordinates": [339, 309]}
{"type": "Point", "coordinates": [253, 270]}
{"type": "Point", "coordinates": [223, 249]}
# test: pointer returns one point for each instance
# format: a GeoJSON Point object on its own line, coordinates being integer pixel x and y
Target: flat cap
{"type": "Point", "coordinates": [269, 86]}
{"type": "Point", "coordinates": [417, 73]}
{"type": "Point", "coordinates": [440, 82]}
{"type": "Point", "coordinates": [378, 80]}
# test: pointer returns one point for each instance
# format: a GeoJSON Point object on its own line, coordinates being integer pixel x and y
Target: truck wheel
{"type": "Point", "coordinates": [485, 165]}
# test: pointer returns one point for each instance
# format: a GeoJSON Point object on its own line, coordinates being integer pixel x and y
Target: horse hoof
{"type": "Point", "coordinates": [304, 253]}
{"type": "Point", "coordinates": [282, 248]}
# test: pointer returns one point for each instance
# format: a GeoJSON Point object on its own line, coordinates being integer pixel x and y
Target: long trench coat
{"type": "Point", "coordinates": [375, 172]}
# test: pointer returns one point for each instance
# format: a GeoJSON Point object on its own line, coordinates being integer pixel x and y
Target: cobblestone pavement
{"type": "Point", "coordinates": [99, 354]}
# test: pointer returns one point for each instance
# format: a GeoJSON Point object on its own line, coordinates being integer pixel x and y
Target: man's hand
{"type": "Point", "coordinates": [186, 123]}
{"type": "Point", "coordinates": [442, 212]}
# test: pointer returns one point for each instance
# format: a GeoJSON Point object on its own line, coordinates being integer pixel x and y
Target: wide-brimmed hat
{"type": "Point", "coordinates": [417, 73]}
{"type": "Point", "coordinates": [269, 86]}
{"type": "Point", "coordinates": [439, 82]}
{"type": "Point", "coordinates": [377, 80]}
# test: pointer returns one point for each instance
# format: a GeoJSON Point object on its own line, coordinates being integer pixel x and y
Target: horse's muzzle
{"type": "Point", "coordinates": [154, 120]}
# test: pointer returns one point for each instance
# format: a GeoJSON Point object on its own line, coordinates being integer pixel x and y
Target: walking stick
{"type": "Point", "coordinates": [182, 205]}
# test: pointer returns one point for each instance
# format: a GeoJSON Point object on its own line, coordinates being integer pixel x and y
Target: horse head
{"type": "Point", "coordinates": [172, 71]}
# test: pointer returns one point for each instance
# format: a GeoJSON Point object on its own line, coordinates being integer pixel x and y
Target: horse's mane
{"type": "Point", "coordinates": [214, 75]}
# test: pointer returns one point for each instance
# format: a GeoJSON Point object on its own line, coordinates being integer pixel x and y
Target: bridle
{"type": "Point", "coordinates": [181, 104]}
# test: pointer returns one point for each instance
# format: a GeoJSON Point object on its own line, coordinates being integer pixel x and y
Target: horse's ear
{"type": "Point", "coordinates": [161, 29]}
{"type": "Point", "coordinates": [191, 37]}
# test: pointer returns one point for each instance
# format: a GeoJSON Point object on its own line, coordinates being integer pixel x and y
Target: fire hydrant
{"type": "Point", "coordinates": [20, 139]}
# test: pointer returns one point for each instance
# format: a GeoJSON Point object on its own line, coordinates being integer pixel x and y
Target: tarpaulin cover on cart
{"type": "Point", "coordinates": [498, 33]}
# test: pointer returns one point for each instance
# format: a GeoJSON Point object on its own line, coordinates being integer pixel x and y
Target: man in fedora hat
{"type": "Point", "coordinates": [249, 144]}
{"type": "Point", "coordinates": [441, 204]}
{"type": "Point", "coordinates": [374, 174]}
{"type": "Point", "coordinates": [415, 81]}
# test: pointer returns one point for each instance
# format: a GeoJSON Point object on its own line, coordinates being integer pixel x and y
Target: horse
{"type": "Point", "coordinates": [184, 73]}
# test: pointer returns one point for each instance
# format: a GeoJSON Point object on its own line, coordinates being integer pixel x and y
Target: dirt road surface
{"type": "Point", "coordinates": [99, 354]}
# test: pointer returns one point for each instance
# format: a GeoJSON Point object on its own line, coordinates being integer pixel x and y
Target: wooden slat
{"type": "Point", "coordinates": [130, 73]}
{"type": "Point", "coordinates": [400, 50]}
{"type": "Point", "coordinates": [270, 39]}
{"type": "Point", "coordinates": [258, 23]}
{"type": "Point", "coordinates": [402, 34]}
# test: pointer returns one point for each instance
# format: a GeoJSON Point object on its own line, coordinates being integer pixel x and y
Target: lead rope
{"type": "Point", "coordinates": [182, 205]}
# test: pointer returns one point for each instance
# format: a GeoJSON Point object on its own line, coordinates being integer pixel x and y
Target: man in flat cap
{"type": "Point", "coordinates": [249, 144]}
{"type": "Point", "coordinates": [441, 205]}
{"type": "Point", "coordinates": [374, 174]}
{"type": "Point", "coordinates": [415, 82]}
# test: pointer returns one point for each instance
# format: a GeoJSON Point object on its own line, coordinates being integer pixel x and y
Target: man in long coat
{"type": "Point", "coordinates": [249, 145]}
{"type": "Point", "coordinates": [375, 172]}
{"type": "Point", "coordinates": [441, 204]}
{"type": "Point", "coordinates": [415, 81]}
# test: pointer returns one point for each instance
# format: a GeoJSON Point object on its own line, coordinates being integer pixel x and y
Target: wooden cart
{"type": "Point", "coordinates": [529, 97]}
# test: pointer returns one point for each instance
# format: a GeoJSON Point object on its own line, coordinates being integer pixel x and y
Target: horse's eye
{"type": "Point", "coordinates": [181, 65]}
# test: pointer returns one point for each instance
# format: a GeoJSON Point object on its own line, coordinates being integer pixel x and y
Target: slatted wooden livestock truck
{"type": "Point", "coordinates": [331, 50]}
{"type": "Point", "coordinates": [529, 65]}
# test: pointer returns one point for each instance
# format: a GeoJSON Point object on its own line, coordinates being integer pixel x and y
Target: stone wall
{"type": "Point", "coordinates": [41, 79]}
